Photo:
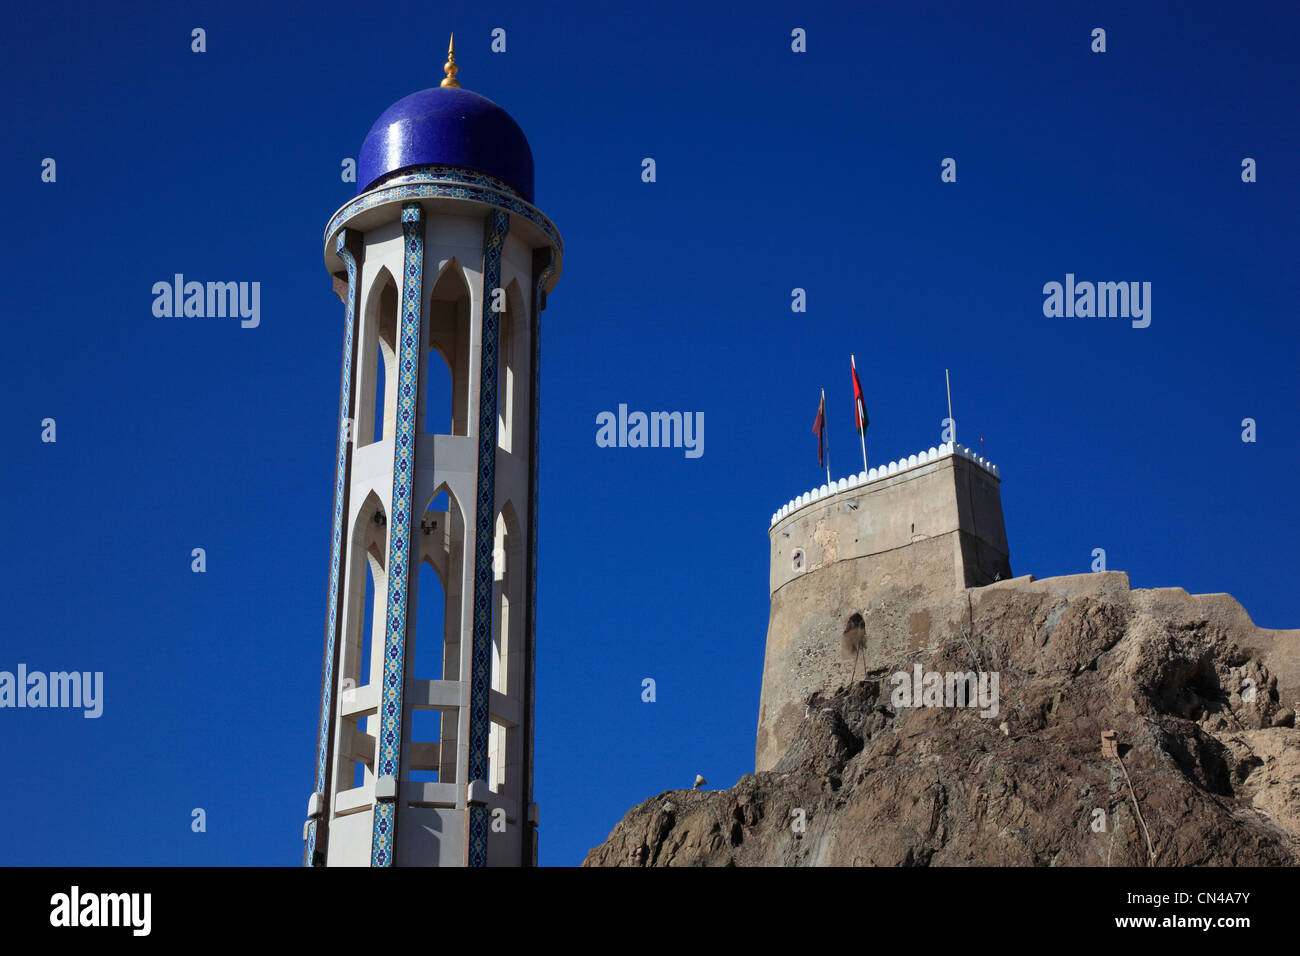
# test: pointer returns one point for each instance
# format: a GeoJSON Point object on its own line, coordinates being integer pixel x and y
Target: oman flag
{"type": "Point", "coordinates": [819, 429]}
{"type": "Point", "coordinates": [859, 406]}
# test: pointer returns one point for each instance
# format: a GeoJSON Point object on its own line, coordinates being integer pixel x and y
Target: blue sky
{"type": "Point", "coordinates": [775, 170]}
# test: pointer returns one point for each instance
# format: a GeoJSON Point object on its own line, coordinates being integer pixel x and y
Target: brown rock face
{"type": "Point", "coordinates": [1202, 703]}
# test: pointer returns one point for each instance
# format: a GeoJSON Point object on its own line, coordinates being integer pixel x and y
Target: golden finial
{"type": "Point", "coordinates": [450, 66]}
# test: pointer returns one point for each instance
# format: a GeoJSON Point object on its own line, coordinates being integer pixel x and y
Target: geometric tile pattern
{"type": "Point", "coordinates": [530, 625]}
{"type": "Point", "coordinates": [336, 541]}
{"type": "Point", "coordinates": [399, 546]}
{"type": "Point", "coordinates": [485, 535]}
{"type": "Point", "coordinates": [431, 171]}
{"type": "Point", "coordinates": [434, 182]}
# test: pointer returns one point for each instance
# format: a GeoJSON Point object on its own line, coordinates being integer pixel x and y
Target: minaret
{"type": "Point", "coordinates": [425, 750]}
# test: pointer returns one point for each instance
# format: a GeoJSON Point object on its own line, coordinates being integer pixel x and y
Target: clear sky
{"type": "Point", "coordinates": [775, 170]}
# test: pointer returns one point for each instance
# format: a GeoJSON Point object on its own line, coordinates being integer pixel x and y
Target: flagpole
{"type": "Point", "coordinates": [827, 433]}
{"type": "Point", "coordinates": [951, 423]}
{"type": "Point", "coordinates": [862, 432]}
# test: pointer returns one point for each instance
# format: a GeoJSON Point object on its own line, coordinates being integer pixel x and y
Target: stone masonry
{"type": "Point", "coordinates": [897, 545]}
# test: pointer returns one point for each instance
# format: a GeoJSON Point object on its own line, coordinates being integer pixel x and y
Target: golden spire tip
{"type": "Point", "coordinates": [449, 67]}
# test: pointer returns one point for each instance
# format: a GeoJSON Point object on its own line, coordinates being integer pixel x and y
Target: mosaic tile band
{"type": "Point", "coordinates": [432, 172]}
{"type": "Point", "coordinates": [399, 543]}
{"type": "Point", "coordinates": [485, 535]}
{"type": "Point", "coordinates": [341, 464]}
{"type": "Point", "coordinates": [446, 182]}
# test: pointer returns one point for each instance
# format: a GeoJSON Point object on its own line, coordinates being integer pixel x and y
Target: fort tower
{"type": "Point", "coordinates": [893, 544]}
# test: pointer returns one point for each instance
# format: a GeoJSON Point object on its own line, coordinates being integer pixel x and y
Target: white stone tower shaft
{"type": "Point", "coordinates": [426, 727]}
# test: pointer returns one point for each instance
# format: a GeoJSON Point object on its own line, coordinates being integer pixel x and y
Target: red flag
{"type": "Point", "coordinates": [859, 406]}
{"type": "Point", "coordinates": [819, 429]}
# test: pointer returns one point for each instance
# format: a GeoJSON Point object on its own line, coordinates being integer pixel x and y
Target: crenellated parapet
{"type": "Point", "coordinates": [945, 450]}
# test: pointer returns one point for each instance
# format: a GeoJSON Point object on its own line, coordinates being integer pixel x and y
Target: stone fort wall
{"type": "Point", "coordinates": [897, 544]}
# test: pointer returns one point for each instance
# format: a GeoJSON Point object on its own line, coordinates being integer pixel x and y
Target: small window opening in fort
{"type": "Point", "coordinates": [855, 634]}
{"type": "Point", "coordinates": [796, 560]}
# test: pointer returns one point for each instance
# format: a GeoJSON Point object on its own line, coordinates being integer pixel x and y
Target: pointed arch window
{"type": "Point", "coordinates": [447, 383]}
{"type": "Point", "coordinates": [377, 383]}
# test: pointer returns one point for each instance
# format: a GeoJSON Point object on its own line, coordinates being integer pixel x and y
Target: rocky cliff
{"type": "Point", "coordinates": [1205, 771]}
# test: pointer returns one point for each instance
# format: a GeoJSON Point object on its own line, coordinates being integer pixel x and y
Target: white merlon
{"type": "Point", "coordinates": [881, 472]}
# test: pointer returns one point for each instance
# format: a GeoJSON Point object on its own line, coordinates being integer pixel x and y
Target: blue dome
{"type": "Point", "coordinates": [449, 126]}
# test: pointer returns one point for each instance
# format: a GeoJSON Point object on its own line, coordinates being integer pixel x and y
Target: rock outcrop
{"type": "Point", "coordinates": [1202, 703]}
